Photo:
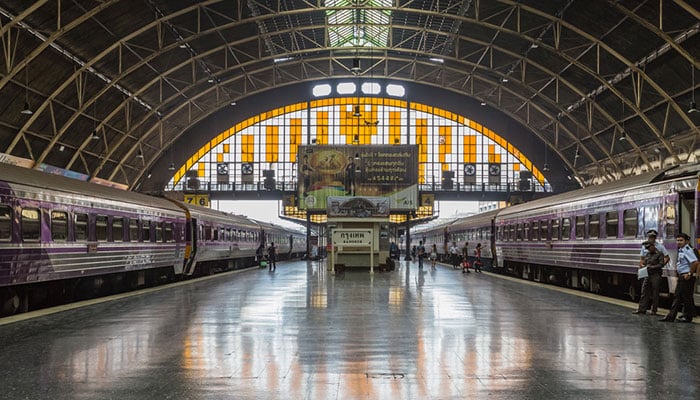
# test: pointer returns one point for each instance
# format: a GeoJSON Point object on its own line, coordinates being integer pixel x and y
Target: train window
{"type": "Point", "coordinates": [145, 231]}
{"type": "Point", "coordinates": [580, 227]}
{"type": "Point", "coordinates": [159, 231]}
{"type": "Point", "coordinates": [117, 229]}
{"type": "Point", "coordinates": [101, 228]}
{"type": "Point", "coordinates": [566, 229]}
{"type": "Point", "coordinates": [59, 225]}
{"type": "Point", "coordinates": [5, 223]}
{"type": "Point", "coordinates": [518, 232]}
{"type": "Point", "coordinates": [133, 230]}
{"type": "Point", "coordinates": [535, 231]}
{"type": "Point", "coordinates": [80, 226]}
{"type": "Point", "coordinates": [526, 231]}
{"type": "Point", "coordinates": [556, 232]}
{"type": "Point", "coordinates": [611, 219]}
{"type": "Point", "coordinates": [593, 226]}
{"type": "Point", "coordinates": [200, 232]}
{"type": "Point", "coordinates": [215, 231]}
{"type": "Point", "coordinates": [207, 232]}
{"type": "Point", "coordinates": [543, 230]}
{"type": "Point", "coordinates": [168, 232]}
{"type": "Point", "coordinates": [31, 225]}
{"type": "Point", "coordinates": [629, 219]}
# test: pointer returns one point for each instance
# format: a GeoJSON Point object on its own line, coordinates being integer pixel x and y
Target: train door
{"type": "Point", "coordinates": [191, 237]}
{"type": "Point", "coordinates": [687, 223]}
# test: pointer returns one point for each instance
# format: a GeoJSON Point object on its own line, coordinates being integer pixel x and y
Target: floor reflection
{"type": "Point", "coordinates": [303, 333]}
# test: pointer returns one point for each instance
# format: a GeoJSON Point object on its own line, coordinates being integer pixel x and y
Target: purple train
{"type": "Point", "coordinates": [63, 239]}
{"type": "Point", "coordinates": [587, 239]}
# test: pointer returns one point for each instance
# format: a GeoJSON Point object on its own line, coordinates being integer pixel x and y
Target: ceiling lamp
{"type": "Point", "coordinates": [623, 136]}
{"type": "Point", "coordinates": [171, 167]}
{"type": "Point", "coordinates": [693, 106]}
{"type": "Point", "coordinates": [357, 112]}
{"type": "Point", "coordinates": [95, 136]}
{"type": "Point", "coordinates": [26, 110]}
{"type": "Point", "coordinates": [139, 154]}
{"type": "Point", "coordinates": [545, 168]}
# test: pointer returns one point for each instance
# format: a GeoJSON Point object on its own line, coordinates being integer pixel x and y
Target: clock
{"type": "Point", "coordinates": [469, 169]}
{"type": "Point", "coordinates": [494, 169]}
{"type": "Point", "coordinates": [222, 169]}
{"type": "Point", "coordinates": [247, 169]}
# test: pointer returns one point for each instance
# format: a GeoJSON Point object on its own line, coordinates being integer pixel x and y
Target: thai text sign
{"type": "Point", "coordinates": [352, 237]}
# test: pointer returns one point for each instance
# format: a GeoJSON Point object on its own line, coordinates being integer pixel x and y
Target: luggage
{"type": "Point", "coordinates": [263, 264]}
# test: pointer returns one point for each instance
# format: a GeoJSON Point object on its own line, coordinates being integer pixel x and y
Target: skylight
{"type": "Point", "coordinates": [359, 26]}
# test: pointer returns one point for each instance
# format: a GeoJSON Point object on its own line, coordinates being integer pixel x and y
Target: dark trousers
{"type": "Point", "coordinates": [651, 288]}
{"type": "Point", "coordinates": [683, 298]}
{"type": "Point", "coordinates": [455, 260]}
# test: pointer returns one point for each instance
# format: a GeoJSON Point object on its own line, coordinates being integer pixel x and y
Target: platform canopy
{"type": "Point", "coordinates": [118, 90]}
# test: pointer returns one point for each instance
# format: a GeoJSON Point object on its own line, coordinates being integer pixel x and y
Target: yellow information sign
{"type": "Point", "coordinates": [197, 199]}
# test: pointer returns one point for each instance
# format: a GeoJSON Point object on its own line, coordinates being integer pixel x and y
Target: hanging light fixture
{"type": "Point", "coordinates": [623, 136]}
{"type": "Point", "coordinates": [693, 106]}
{"type": "Point", "coordinates": [139, 154]}
{"type": "Point", "coordinates": [357, 112]}
{"type": "Point", "coordinates": [95, 136]}
{"type": "Point", "coordinates": [27, 109]}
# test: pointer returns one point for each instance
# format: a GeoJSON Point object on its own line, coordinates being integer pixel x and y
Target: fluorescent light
{"type": "Point", "coordinates": [282, 59]}
{"type": "Point", "coordinates": [437, 60]}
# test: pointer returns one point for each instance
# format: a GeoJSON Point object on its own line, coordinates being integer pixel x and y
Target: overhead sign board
{"type": "Point", "coordinates": [389, 171]}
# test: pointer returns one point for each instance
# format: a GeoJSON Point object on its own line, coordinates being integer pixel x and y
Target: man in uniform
{"type": "Point", "coordinates": [686, 265]}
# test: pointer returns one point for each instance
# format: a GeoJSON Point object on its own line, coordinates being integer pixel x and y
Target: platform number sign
{"type": "Point", "coordinates": [197, 199]}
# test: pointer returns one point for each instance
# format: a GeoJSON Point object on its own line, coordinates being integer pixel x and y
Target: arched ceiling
{"type": "Point", "coordinates": [576, 74]}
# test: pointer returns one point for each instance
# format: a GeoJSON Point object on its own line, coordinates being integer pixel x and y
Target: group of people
{"type": "Point", "coordinates": [268, 256]}
{"type": "Point", "coordinates": [458, 257]}
{"type": "Point", "coordinates": [653, 257]}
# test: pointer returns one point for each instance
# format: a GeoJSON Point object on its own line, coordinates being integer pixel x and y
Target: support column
{"type": "Point", "coordinates": [408, 238]}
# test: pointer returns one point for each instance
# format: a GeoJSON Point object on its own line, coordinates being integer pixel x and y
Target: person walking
{"type": "Point", "coordinates": [654, 262]}
{"type": "Point", "coordinates": [272, 256]}
{"type": "Point", "coordinates": [421, 254]}
{"type": "Point", "coordinates": [687, 265]}
{"type": "Point", "coordinates": [433, 257]}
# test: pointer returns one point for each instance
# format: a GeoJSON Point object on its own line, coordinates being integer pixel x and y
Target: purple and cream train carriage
{"type": "Point", "coordinates": [588, 239]}
{"type": "Point", "coordinates": [65, 239]}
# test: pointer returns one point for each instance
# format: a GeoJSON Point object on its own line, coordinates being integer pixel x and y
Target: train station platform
{"type": "Point", "coordinates": [303, 333]}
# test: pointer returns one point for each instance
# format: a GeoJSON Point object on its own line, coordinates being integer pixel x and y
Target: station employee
{"type": "Point", "coordinates": [687, 265]}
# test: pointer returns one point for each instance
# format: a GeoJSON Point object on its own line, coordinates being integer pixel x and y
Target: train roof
{"type": "Point", "coordinates": [243, 221]}
{"type": "Point", "coordinates": [45, 181]}
{"type": "Point", "coordinates": [627, 183]}
{"type": "Point", "coordinates": [474, 221]}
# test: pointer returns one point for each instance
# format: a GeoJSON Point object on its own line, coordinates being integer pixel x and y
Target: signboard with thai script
{"type": "Point", "coordinates": [14, 160]}
{"type": "Point", "coordinates": [352, 237]}
{"type": "Point", "coordinates": [389, 171]}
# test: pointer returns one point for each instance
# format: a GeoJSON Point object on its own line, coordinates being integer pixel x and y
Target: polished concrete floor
{"type": "Point", "coordinates": [302, 333]}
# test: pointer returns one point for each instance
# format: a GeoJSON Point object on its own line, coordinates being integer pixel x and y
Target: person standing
{"type": "Point", "coordinates": [687, 265]}
{"type": "Point", "coordinates": [272, 256]}
{"type": "Point", "coordinates": [654, 262]}
{"type": "Point", "coordinates": [465, 257]}
{"type": "Point", "coordinates": [433, 256]}
{"type": "Point", "coordinates": [421, 254]}
{"type": "Point", "coordinates": [477, 261]}
{"type": "Point", "coordinates": [651, 238]}
{"type": "Point", "coordinates": [454, 254]}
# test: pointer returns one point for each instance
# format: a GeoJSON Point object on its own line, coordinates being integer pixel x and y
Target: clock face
{"type": "Point", "coordinates": [469, 169]}
{"type": "Point", "coordinates": [247, 169]}
{"type": "Point", "coordinates": [494, 169]}
{"type": "Point", "coordinates": [222, 169]}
